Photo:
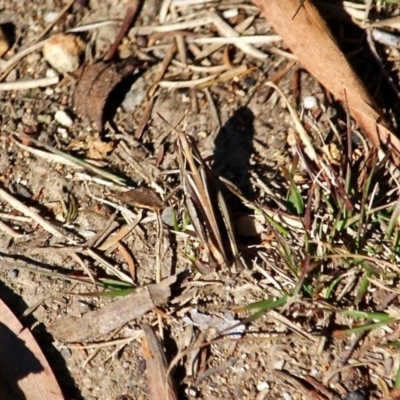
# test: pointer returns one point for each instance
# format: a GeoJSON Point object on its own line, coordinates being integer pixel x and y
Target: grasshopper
{"type": "Point", "coordinates": [206, 205]}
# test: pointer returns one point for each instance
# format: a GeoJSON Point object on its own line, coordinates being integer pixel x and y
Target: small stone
{"type": "Point", "coordinates": [51, 16]}
{"type": "Point", "coordinates": [310, 102]}
{"type": "Point", "coordinates": [168, 216]}
{"type": "Point", "coordinates": [66, 353]}
{"type": "Point", "coordinates": [63, 133]}
{"type": "Point", "coordinates": [286, 396]}
{"type": "Point", "coordinates": [359, 394]}
{"type": "Point", "coordinates": [262, 386]}
{"type": "Point", "coordinates": [136, 95]}
{"type": "Point", "coordinates": [49, 91]}
{"type": "Point", "coordinates": [13, 274]}
{"type": "Point", "coordinates": [63, 52]}
{"type": "Point", "coordinates": [63, 118]}
{"type": "Point", "coordinates": [191, 392]}
{"type": "Point", "coordinates": [51, 73]}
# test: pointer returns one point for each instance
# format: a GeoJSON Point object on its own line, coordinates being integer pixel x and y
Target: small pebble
{"type": "Point", "coordinates": [66, 353]}
{"type": "Point", "coordinates": [49, 91]}
{"type": "Point", "coordinates": [63, 52]}
{"type": "Point", "coordinates": [168, 216]}
{"type": "Point", "coordinates": [310, 102]}
{"type": "Point", "coordinates": [286, 396]}
{"type": "Point", "coordinates": [191, 392]}
{"type": "Point", "coordinates": [136, 95]}
{"type": "Point", "coordinates": [359, 394]}
{"type": "Point", "coordinates": [262, 386]}
{"type": "Point", "coordinates": [63, 118]}
{"type": "Point", "coordinates": [13, 274]}
{"type": "Point", "coordinates": [22, 190]}
{"type": "Point", "coordinates": [51, 73]}
{"type": "Point", "coordinates": [51, 16]}
{"type": "Point", "coordinates": [63, 132]}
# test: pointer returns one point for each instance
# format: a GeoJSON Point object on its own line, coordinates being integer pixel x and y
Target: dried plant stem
{"type": "Point", "coordinates": [29, 84]}
{"type": "Point", "coordinates": [255, 40]}
{"type": "Point", "coordinates": [226, 30]}
{"type": "Point", "coordinates": [9, 231]}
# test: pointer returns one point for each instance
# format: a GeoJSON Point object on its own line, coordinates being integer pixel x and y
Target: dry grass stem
{"type": "Point", "coordinates": [29, 83]}
{"type": "Point", "coordinates": [254, 40]}
{"type": "Point", "coordinates": [226, 30]}
{"type": "Point", "coordinates": [179, 26]}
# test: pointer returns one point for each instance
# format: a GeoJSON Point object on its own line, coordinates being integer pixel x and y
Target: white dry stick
{"type": "Point", "coordinates": [226, 30]}
{"type": "Point", "coordinates": [94, 25]}
{"type": "Point", "coordinates": [22, 208]}
{"type": "Point", "coordinates": [194, 23]}
{"type": "Point", "coordinates": [29, 84]}
{"type": "Point", "coordinates": [162, 16]}
{"type": "Point", "coordinates": [19, 56]}
{"type": "Point", "coordinates": [239, 28]}
{"type": "Point", "coordinates": [254, 40]}
{"type": "Point", "coordinates": [196, 82]}
{"type": "Point", "coordinates": [180, 43]}
{"type": "Point", "coordinates": [47, 156]}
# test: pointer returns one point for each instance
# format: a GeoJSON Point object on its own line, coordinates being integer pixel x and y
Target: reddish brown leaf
{"type": "Point", "coordinates": [141, 197]}
{"type": "Point", "coordinates": [96, 83]}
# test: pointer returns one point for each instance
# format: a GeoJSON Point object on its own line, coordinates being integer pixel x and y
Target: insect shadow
{"type": "Point", "coordinates": [231, 158]}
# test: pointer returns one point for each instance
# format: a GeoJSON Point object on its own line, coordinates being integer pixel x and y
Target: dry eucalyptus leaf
{"type": "Point", "coordinates": [141, 197]}
{"type": "Point", "coordinates": [95, 85]}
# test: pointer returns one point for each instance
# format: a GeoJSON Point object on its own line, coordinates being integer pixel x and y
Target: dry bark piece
{"type": "Point", "coordinates": [95, 85]}
{"type": "Point", "coordinates": [160, 384]}
{"type": "Point", "coordinates": [24, 372]}
{"type": "Point", "coordinates": [63, 52]}
{"type": "Point", "coordinates": [307, 35]}
{"type": "Point", "coordinates": [97, 323]}
{"type": "Point", "coordinates": [141, 197]}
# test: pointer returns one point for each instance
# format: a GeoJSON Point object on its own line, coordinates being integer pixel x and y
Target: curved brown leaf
{"type": "Point", "coordinates": [309, 38]}
{"type": "Point", "coordinates": [96, 83]}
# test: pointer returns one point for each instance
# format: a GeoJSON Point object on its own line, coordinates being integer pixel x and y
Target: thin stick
{"type": "Point", "coordinates": [239, 28]}
{"type": "Point", "coordinates": [194, 23]}
{"type": "Point", "coordinates": [150, 93]}
{"type": "Point", "coordinates": [180, 43]}
{"type": "Point", "coordinates": [131, 13]}
{"type": "Point", "coordinates": [22, 208]}
{"type": "Point", "coordinates": [255, 40]}
{"type": "Point", "coordinates": [226, 30]}
{"type": "Point", "coordinates": [19, 56]}
{"type": "Point", "coordinates": [29, 84]}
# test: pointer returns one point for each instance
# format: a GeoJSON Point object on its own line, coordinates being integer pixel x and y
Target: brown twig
{"type": "Point", "coordinates": [131, 13]}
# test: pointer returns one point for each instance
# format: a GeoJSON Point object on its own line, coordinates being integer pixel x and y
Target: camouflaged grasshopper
{"type": "Point", "coordinates": [206, 205]}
